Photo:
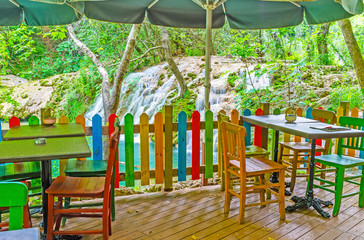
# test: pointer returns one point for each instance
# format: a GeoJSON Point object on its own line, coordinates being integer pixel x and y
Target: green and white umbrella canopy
{"type": "Point", "coordinates": [240, 14]}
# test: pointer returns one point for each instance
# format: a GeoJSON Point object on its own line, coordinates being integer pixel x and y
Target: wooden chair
{"type": "Point", "coordinates": [14, 197]}
{"type": "Point", "coordinates": [301, 150]}
{"type": "Point", "coordinates": [85, 168]}
{"type": "Point", "coordinates": [341, 162]}
{"type": "Point", "coordinates": [93, 187]}
{"type": "Point", "coordinates": [236, 164]}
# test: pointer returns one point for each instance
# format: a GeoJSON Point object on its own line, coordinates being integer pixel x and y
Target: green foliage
{"type": "Point", "coordinates": [187, 103]}
{"type": "Point", "coordinates": [347, 93]}
{"type": "Point", "coordinates": [232, 79]}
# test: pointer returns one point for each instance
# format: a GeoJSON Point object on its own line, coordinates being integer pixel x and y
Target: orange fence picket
{"type": "Point", "coordinates": [158, 145]}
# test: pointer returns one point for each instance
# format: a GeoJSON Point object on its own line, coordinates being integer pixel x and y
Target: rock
{"type": "Point", "coordinates": [154, 188]}
{"type": "Point", "coordinates": [11, 80]}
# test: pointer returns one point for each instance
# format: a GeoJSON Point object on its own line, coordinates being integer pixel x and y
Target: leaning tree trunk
{"type": "Point", "coordinates": [322, 43]}
{"type": "Point", "coordinates": [123, 67]}
{"type": "Point", "coordinates": [354, 50]}
{"type": "Point", "coordinates": [172, 64]}
{"type": "Point", "coordinates": [106, 98]}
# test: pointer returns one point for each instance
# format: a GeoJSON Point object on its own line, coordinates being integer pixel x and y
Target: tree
{"type": "Point", "coordinates": [322, 44]}
{"type": "Point", "coordinates": [354, 50]}
{"type": "Point", "coordinates": [110, 96]}
{"type": "Point", "coordinates": [172, 64]}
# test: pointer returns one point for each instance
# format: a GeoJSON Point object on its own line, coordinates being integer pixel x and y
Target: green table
{"type": "Point", "coordinates": [54, 131]}
{"type": "Point", "coordinates": [54, 148]}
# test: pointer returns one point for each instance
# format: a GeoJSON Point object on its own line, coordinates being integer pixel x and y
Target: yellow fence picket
{"type": "Point", "coordinates": [168, 146]}
{"type": "Point", "coordinates": [144, 149]}
{"type": "Point", "coordinates": [63, 120]}
{"type": "Point", "coordinates": [219, 148]}
{"type": "Point", "coordinates": [234, 116]}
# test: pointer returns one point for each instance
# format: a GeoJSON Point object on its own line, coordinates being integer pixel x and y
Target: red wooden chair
{"type": "Point", "coordinates": [82, 187]}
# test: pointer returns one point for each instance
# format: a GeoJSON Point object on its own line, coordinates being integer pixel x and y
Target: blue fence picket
{"type": "Point", "coordinates": [248, 128]}
{"type": "Point", "coordinates": [182, 145]}
{"type": "Point", "coordinates": [97, 137]}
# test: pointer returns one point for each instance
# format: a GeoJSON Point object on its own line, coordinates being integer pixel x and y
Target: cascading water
{"type": "Point", "coordinates": [146, 92]}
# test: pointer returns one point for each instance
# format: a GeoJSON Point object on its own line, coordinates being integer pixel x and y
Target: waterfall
{"type": "Point", "coordinates": [147, 91]}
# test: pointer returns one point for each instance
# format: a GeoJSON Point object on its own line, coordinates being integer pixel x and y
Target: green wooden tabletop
{"type": "Point", "coordinates": [54, 131]}
{"type": "Point", "coordinates": [54, 148]}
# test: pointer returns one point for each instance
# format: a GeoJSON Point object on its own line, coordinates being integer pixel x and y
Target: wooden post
{"type": "Point", "coordinates": [265, 108]}
{"type": "Point", "coordinates": [168, 146]}
{"type": "Point", "coordinates": [346, 107]}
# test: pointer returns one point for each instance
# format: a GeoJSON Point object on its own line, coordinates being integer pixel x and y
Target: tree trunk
{"type": "Point", "coordinates": [123, 67]}
{"type": "Point", "coordinates": [106, 98]}
{"type": "Point", "coordinates": [322, 43]}
{"type": "Point", "coordinates": [354, 50]}
{"type": "Point", "coordinates": [172, 64]}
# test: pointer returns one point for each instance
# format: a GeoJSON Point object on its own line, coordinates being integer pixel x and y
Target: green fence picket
{"type": "Point", "coordinates": [209, 133]}
{"type": "Point", "coordinates": [129, 150]}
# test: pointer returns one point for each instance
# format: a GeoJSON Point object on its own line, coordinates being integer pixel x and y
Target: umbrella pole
{"type": "Point", "coordinates": [208, 58]}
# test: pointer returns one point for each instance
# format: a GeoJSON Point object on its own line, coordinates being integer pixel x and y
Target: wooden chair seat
{"type": "Point", "coordinates": [335, 160]}
{"type": "Point", "coordinates": [258, 166]}
{"type": "Point", "coordinates": [301, 146]}
{"type": "Point", "coordinates": [85, 168]}
{"type": "Point", "coordinates": [255, 150]}
{"type": "Point", "coordinates": [65, 186]}
{"type": "Point", "coordinates": [20, 171]}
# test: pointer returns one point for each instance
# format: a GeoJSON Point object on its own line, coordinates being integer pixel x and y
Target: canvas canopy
{"type": "Point", "coordinates": [240, 14]}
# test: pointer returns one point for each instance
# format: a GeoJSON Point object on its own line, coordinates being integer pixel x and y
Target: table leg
{"type": "Point", "coordinates": [46, 182]}
{"type": "Point", "coordinates": [274, 178]}
{"type": "Point", "coordinates": [310, 200]}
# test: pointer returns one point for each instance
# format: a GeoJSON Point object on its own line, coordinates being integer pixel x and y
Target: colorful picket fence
{"type": "Point", "coordinates": [163, 128]}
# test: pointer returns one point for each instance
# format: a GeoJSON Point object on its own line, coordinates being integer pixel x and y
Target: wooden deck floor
{"type": "Point", "coordinates": [198, 214]}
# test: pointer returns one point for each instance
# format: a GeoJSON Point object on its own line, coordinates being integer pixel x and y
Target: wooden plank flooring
{"type": "Point", "coordinates": [198, 214]}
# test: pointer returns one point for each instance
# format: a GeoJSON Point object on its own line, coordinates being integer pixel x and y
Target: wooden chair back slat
{"type": "Point", "coordinates": [233, 141]}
